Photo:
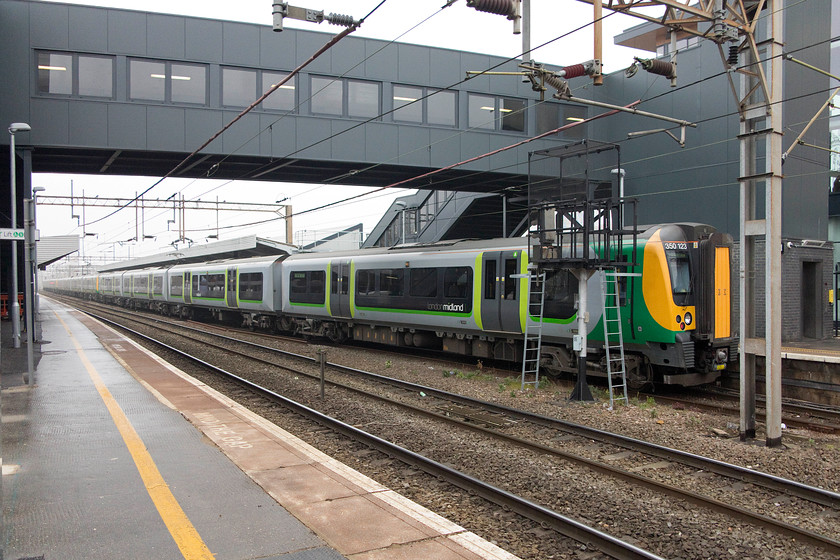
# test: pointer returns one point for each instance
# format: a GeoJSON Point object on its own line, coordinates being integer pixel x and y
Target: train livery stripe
{"type": "Point", "coordinates": [723, 303]}
{"type": "Point", "coordinates": [657, 289]}
{"type": "Point", "coordinates": [352, 289]}
{"type": "Point", "coordinates": [327, 288]}
{"type": "Point", "coordinates": [477, 291]}
{"type": "Point", "coordinates": [524, 290]}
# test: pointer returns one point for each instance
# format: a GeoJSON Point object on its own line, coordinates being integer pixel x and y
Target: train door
{"type": "Point", "coordinates": [187, 288]}
{"type": "Point", "coordinates": [340, 288]}
{"type": "Point", "coordinates": [230, 289]}
{"type": "Point", "coordinates": [500, 291]}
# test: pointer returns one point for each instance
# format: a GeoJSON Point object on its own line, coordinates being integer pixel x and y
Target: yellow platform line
{"type": "Point", "coordinates": [182, 530]}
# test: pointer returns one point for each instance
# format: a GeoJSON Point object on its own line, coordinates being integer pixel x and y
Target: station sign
{"type": "Point", "coordinates": [9, 233]}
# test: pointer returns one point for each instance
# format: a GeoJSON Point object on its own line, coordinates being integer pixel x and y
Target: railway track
{"type": "Point", "coordinates": [634, 456]}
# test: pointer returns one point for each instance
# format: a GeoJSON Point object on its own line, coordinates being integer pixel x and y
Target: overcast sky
{"type": "Point", "coordinates": [457, 27]}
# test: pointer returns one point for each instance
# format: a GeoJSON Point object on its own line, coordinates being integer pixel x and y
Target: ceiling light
{"type": "Point", "coordinates": [575, 119]}
{"type": "Point", "coordinates": [398, 98]}
{"type": "Point", "coordinates": [58, 68]}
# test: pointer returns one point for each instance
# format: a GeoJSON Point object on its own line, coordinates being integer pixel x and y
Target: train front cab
{"type": "Point", "coordinates": [692, 298]}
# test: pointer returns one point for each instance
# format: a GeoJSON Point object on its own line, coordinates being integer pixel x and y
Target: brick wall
{"type": "Point", "coordinates": [792, 277]}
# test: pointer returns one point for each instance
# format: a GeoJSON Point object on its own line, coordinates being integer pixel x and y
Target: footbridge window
{"type": "Point", "coordinates": [167, 82]}
{"type": "Point", "coordinates": [496, 113]}
{"type": "Point", "coordinates": [345, 98]}
{"type": "Point", "coordinates": [74, 74]}
{"type": "Point", "coordinates": [421, 105]}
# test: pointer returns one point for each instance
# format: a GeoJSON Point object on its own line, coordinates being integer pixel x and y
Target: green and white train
{"type": "Point", "coordinates": [467, 297]}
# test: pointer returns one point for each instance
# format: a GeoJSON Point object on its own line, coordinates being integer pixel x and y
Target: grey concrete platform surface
{"type": "Point", "coordinates": [114, 453]}
{"type": "Point", "coordinates": [72, 490]}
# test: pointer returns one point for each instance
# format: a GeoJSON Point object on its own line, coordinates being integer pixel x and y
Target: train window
{"type": "Point", "coordinates": [678, 266]}
{"type": "Point", "coordinates": [208, 286]}
{"type": "Point", "coordinates": [176, 286]}
{"type": "Point", "coordinates": [366, 282]}
{"type": "Point", "coordinates": [141, 284]}
{"type": "Point", "coordinates": [490, 280]}
{"type": "Point", "coordinates": [307, 286]}
{"type": "Point", "coordinates": [391, 282]}
{"type": "Point", "coordinates": [510, 283]}
{"type": "Point", "coordinates": [251, 286]}
{"type": "Point", "coordinates": [423, 282]}
{"type": "Point", "coordinates": [561, 288]}
{"type": "Point", "coordinates": [457, 282]}
{"type": "Point", "coordinates": [157, 285]}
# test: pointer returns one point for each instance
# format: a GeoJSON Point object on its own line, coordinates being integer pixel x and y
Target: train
{"type": "Point", "coordinates": [467, 297]}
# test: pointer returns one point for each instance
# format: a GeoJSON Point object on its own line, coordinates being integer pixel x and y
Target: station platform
{"type": "Point", "coordinates": [110, 452]}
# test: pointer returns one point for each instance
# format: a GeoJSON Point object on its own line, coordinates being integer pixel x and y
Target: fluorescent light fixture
{"type": "Point", "coordinates": [284, 86]}
{"type": "Point", "coordinates": [575, 119]}
{"type": "Point", "coordinates": [506, 110]}
{"type": "Point", "coordinates": [57, 68]}
{"type": "Point", "coordinates": [485, 108]}
{"type": "Point", "coordinates": [163, 77]}
{"type": "Point", "coordinates": [398, 98]}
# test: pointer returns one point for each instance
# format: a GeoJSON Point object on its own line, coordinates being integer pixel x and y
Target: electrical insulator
{"type": "Point", "coordinates": [573, 71]}
{"type": "Point", "coordinates": [555, 82]}
{"type": "Point", "coordinates": [500, 7]}
{"type": "Point", "coordinates": [733, 55]}
{"type": "Point", "coordinates": [340, 19]}
{"type": "Point", "coordinates": [659, 67]}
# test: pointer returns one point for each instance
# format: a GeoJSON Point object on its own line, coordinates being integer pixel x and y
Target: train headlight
{"type": "Point", "coordinates": [688, 318]}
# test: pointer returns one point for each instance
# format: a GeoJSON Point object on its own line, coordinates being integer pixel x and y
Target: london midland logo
{"type": "Point", "coordinates": [453, 307]}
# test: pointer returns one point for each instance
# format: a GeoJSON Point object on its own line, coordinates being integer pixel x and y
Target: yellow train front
{"type": "Point", "coordinates": [680, 314]}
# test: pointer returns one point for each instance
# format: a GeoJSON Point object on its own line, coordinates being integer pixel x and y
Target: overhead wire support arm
{"type": "Point", "coordinates": [281, 10]}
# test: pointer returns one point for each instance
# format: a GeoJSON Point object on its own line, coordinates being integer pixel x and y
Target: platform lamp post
{"type": "Point", "coordinates": [15, 307]}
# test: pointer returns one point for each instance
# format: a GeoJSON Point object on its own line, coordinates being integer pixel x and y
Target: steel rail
{"type": "Point", "coordinates": [571, 528]}
{"type": "Point", "coordinates": [787, 419]}
{"type": "Point", "coordinates": [811, 493]}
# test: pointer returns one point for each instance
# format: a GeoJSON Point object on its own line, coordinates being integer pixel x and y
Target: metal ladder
{"type": "Point", "coordinates": [533, 330]}
{"type": "Point", "coordinates": [613, 340]}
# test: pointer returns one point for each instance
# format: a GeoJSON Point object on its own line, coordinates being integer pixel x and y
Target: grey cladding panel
{"type": "Point", "coordinates": [89, 124]}
{"type": "Point", "coordinates": [446, 67]}
{"type": "Point", "coordinates": [446, 147]}
{"type": "Point", "coordinates": [381, 64]}
{"type": "Point", "coordinates": [165, 127]}
{"type": "Point", "coordinates": [201, 124]}
{"type": "Point", "coordinates": [47, 28]}
{"type": "Point", "coordinates": [203, 40]}
{"type": "Point", "coordinates": [126, 33]}
{"type": "Point", "coordinates": [241, 44]}
{"type": "Point", "coordinates": [242, 137]}
{"type": "Point", "coordinates": [382, 142]}
{"type": "Point", "coordinates": [477, 143]}
{"type": "Point", "coordinates": [50, 118]}
{"type": "Point", "coordinates": [309, 43]}
{"type": "Point", "coordinates": [278, 50]}
{"type": "Point", "coordinates": [346, 58]}
{"type": "Point", "coordinates": [350, 145]}
{"type": "Point", "coordinates": [166, 36]}
{"type": "Point", "coordinates": [477, 62]}
{"type": "Point", "coordinates": [85, 27]}
{"type": "Point", "coordinates": [124, 126]}
{"type": "Point", "coordinates": [279, 139]}
{"type": "Point", "coordinates": [310, 131]}
{"type": "Point", "coordinates": [413, 146]}
{"type": "Point", "coordinates": [414, 66]}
